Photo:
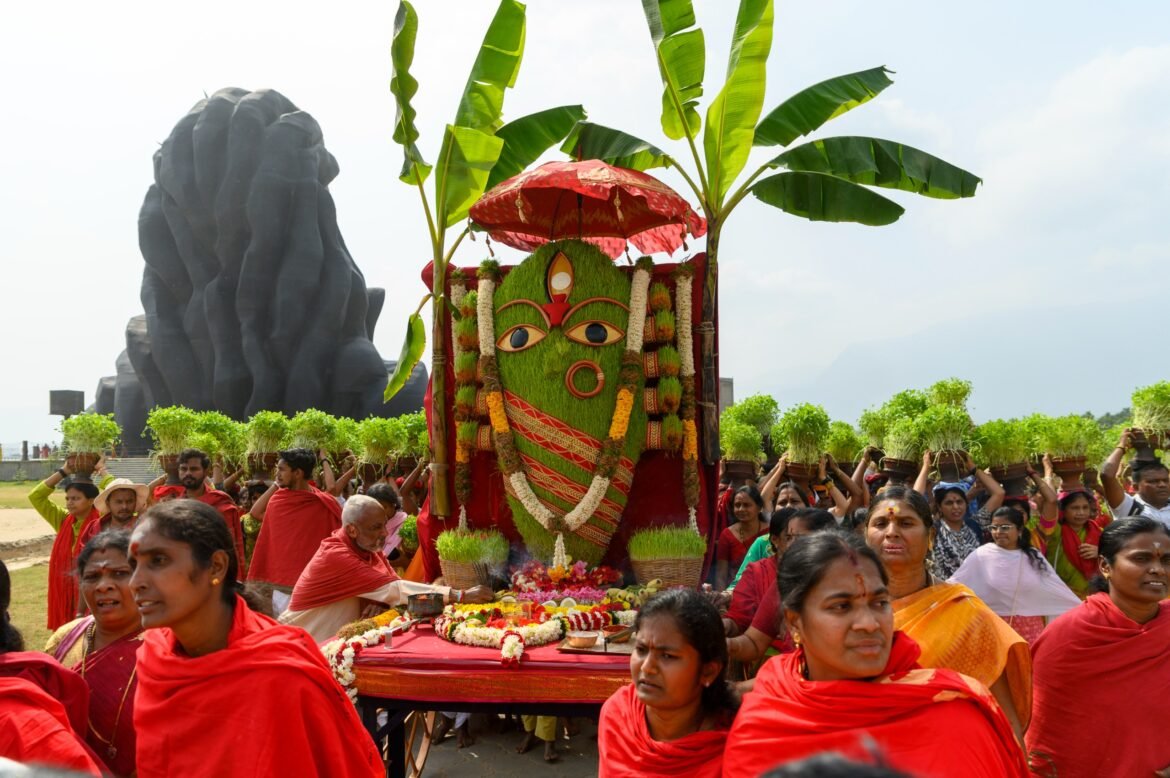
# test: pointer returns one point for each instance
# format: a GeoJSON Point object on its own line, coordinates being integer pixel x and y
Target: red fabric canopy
{"type": "Point", "coordinates": [590, 200]}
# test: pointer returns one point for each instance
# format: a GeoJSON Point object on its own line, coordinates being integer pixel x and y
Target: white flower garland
{"type": "Point", "coordinates": [683, 331]}
{"type": "Point", "coordinates": [638, 292]}
{"type": "Point", "coordinates": [485, 320]}
{"type": "Point", "coordinates": [512, 641]}
{"type": "Point", "coordinates": [583, 510]}
{"type": "Point", "coordinates": [341, 653]}
{"type": "Point", "coordinates": [458, 291]}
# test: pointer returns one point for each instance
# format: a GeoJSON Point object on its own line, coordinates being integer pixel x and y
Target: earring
{"type": "Point", "coordinates": [215, 582]}
{"type": "Point", "coordinates": [796, 638]}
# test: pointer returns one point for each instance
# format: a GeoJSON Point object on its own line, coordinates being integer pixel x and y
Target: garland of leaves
{"type": "Point", "coordinates": [683, 278]}
{"type": "Point", "coordinates": [630, 378]}
{"type": "Point", "coordinates": [466, 426]}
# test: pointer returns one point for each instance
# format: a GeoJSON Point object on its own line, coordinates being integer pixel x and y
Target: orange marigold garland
{"type": "Point", "coordinates": [683, 278]}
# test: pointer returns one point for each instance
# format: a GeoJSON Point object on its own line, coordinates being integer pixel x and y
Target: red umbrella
{"type": "Point", "coordinates": [604, 205]}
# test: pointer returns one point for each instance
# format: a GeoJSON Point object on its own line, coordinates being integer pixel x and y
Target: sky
{"type": "Point", "coordinates": [1048, 289]}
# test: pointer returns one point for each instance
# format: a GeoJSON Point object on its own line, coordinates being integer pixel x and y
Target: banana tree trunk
{"type": "Point", "coordinates": [709, 401]}
{"type": "Point", "coordinates": [440, 494]}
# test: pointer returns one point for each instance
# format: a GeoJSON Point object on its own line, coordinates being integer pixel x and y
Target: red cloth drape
{"type": "Point", "coordinates": [294, 525]}
{"type": "Point", "coordinates": [58, 682]}
{"type": "Point", "coordinates": [231, 516]}
{"type": "Point", "coordinates": [62, 570]}
{"type": "Point", "coordinates": [228, 713]}
{"type": "Point", "coordinates": [753, 586]}
{"type": "Point", "coordinates": [1095, 664]}
{"type": "Point", "coordinates": [924, 722]}
{"type": "Point", "coordinates": [337, 571]}
{"type": "Point", "coordinates": [35, 729]}
{"type": "Point", "coordinates": [626, 749]}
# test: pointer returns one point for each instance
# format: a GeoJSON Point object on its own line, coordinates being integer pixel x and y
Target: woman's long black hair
{"type": "Point", "coordinates": [699, 622]}
{"type": "Point", "coordinates": [10, 637]}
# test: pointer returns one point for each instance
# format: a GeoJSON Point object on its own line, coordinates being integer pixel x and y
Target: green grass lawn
{"type": "Point", "coordinates": [30, 590]}
{"type": "Point", "coordinates": [14, 494]}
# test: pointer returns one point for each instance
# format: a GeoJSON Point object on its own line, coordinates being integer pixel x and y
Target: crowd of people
{"type": "Point", "coordinates": [926, 628]}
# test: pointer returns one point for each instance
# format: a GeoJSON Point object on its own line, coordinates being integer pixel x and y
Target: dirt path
{"type": "Point", "coordinates": [25, 538]}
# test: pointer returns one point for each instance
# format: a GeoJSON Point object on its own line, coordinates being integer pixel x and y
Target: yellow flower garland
{"type": "Point", "coordinates": [621, 414]}
{"type": "Point", "coordinates": [495, 401]}
{"type": "Point", "coordinates": [690, 440]}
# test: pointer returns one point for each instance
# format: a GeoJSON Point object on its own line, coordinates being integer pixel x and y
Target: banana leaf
{"type": "Point", "coordinates": [465, 161]}
{"type": "Point", "coordinates": [404, 87]}
{"type": "Point", "coordinates": [809, 108]}
{"type": "Point", "coordinates": [495, 69]}
{"type": "Point", "coordinates": [412, 351]}
{"type": "Point", "coordinates": [732, 116]}
{"type": "Point", "coordinates": [595, 141]}
{"type": "Point", "coordinates": [526, 138]}
{"type": "Point", "coordinates": [820, 197]}
{"type": "Point", "coordinates": [884, 163]}
{"type": "Point", "coordinates": [682, 58]}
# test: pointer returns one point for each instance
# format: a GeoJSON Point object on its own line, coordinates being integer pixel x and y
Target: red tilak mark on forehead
{"type": "Point", "coordinates": [861, 584]}
{"type": "Point", "coordinates": [853, 558]}
{"type": "Point", "coordinates": [133, 548]}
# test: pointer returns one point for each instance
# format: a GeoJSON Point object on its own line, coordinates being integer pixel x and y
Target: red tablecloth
{"type": "Point", "coordinates": [422, 666]}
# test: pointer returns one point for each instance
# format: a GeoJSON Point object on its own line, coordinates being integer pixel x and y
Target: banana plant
{"type": "Point", "coordinates": [821, 180]}
{"type": "Point", "coordinates": [478, 150]}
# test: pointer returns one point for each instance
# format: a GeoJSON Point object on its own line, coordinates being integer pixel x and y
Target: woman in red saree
{"type": "Point", "coordinates": [673, 719]}
{"type": "Point", "coordinates": [1105, 663]}
{"type": "Point", "coordinates": [101, 648]}
{"type": "Point", "coordinates": [223, 690]}
{"type": "Point", "coordinates": [854, 681]}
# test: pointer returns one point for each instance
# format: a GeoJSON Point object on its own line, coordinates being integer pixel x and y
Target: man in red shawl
{"type": "Point", "coordinates": [348, 574]}
{"type": "Point", "coordinates": [299, 516]}
{"type": "Point", "coordinates": [193, 465]}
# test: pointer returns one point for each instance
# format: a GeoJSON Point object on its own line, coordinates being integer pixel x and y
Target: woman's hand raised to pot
{"type": "Point", "coordinates": [969, 461]}
{"type": "Point", "coordinates": [927, 457]}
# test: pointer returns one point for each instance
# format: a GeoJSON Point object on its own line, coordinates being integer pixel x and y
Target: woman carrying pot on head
{"type": "Point", "coordinates": [216, 680]}
{"type": "Point", "coordinates": [958, 534]}
{"type": "Point", "coordinates": [953, 627]}
{"type": "Point", "coordinates": [1014, 579]}
{"type": "Point", "coordinates": [777, 496]}
{"type": "Point", "coordinates": [732, 546]}
{"type": "Point", "coordinates": [1109, 656]}
{"type": "Point", "coordinates": [1072, 541]}
{"type": "Point", "coordinates": [673, 719]}
{"type": "Point", "coordinates": [102, 648]}
{"type": "Point", "coordinates": [855, 680]}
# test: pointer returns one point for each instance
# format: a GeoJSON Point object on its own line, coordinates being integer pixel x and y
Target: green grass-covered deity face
{"type": "Point", "coordinates": [560, 326]}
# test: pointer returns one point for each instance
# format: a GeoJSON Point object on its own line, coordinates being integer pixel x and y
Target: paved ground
{"type": "Point", "coordinates": [494, 754]}
{"type": "Point", "coordinates": [25, 538]}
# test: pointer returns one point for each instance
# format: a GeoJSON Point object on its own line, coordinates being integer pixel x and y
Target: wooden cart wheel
{"type": "Point", "coordinates": [418, 727]}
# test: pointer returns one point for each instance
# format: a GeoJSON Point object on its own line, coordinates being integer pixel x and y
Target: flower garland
{"type": "Point", "coordinates": [612, 447]}
{"type": "Point", "coordinates": [683, 279]}
{"type": "Point", "coordinates": [341, 652]}
{"type": "Point", "coordinates": [534, 576]}
{"type": "Point", "coordinates": [486, 629]}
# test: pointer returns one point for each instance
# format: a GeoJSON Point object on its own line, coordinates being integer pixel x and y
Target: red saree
{"type": "Point", "coordinates": [339, 570]}
{"type": "Point", "coordinates": [267, 704]}
{"type": "Point", "coordinates": [231, 516]}
{"type": "Point", "coordinates": [296, 522]}
{"type": "Point", "coordinates": [62, 574]}
{"type": "Point", "coordinates": [1094, 665]}
{"type": "Point", "coordinates": [35, 729]}
{"type": "Point", "coordinates": [626, 749]}
{"type": "Point", "coordinates": [110, 674]}
{"type": "Point", "coordinates": [924, 722]}
{"type": "Point", "coordinates": [751, 591]}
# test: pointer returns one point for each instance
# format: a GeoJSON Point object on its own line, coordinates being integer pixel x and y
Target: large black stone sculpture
{"type": "Point", "coordinates": [252, 301]}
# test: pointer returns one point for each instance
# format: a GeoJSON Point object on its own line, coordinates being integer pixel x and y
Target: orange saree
{"type": "Point", "coordinates": [957, 631]}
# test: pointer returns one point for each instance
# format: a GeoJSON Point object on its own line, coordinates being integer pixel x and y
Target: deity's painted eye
{"type": "Point", "coordinates": [520, 337]}
{"type": "Point", "coordinates": [595, 333]}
